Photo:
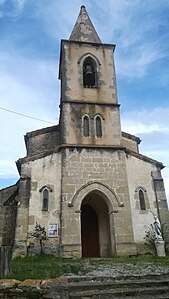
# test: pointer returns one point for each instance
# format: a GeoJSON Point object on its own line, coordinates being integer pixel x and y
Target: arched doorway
{"type": "Point", "coordinates": [89, 232]}
{"type": "Point", "coordinates": [95, 226]}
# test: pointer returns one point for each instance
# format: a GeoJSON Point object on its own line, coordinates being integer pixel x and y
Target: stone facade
{"type": "Point", "coordinates": [104, 171]}
{"type": "Point", "coordinates": [84, 180]}
{"type": "Point", "coordinates": [139, 178]}
{"type": "Point", "coordinates": [8, 214]}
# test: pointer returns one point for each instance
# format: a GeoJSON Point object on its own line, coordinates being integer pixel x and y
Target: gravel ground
{"type": "Point", "coordinates": [128, 269]}
{"type": "Point", "coordinates": [121, 269]}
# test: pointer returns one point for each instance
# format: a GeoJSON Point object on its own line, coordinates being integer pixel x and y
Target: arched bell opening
{"type": "Point", "coordinates": [95, 227]}
{"type": "Point", "coordinates": [89, 72]}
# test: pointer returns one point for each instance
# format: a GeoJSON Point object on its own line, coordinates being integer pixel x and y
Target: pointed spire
{"type": "Point", "coordinates": [84, 29]}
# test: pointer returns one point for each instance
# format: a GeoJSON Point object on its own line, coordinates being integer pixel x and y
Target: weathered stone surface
{"type": "Point", "coordinates": [8, 283]}
{"type": "Point", "coordinates": [130, 142]}
{"type": "Point", "coordinates": [8, 212]}
{"type": "Point", "coordinates": [112, 176]}
{"type": "Point", "coordinates": [30, 283]}
{"type": "Point", "coordinates": [84, 29]}
{"type": "Point", "coordinates": [125, 282]}
{"type": "Point", "coordinates": [43, 140]}
{"type": "Point", "coordinates": [5, 258]}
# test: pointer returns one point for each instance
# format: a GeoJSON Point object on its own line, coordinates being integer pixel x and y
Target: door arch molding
{"type": "Point", "coordinates": [113, 201]}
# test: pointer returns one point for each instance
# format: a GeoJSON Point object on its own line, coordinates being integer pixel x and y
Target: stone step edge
{"type": "Point", "coordinates": [126, 283]}
{"type": "Point", "coordinates": [154, 296]}
{"type": "Point", "coordinates": [121, 292]}
{"type": "Point", "coordinates": [117, 278]}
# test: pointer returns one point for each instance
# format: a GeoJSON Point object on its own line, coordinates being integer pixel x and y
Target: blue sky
{"type": "Point", "coordinates": [31, 31]}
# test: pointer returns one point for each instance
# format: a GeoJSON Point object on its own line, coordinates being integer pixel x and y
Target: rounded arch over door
{"type": "Point", "coordinates": [113, 201]}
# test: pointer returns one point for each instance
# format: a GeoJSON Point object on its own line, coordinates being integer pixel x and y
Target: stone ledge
{"type": "Point", "coordinates": [74, 286]}
{"type": "Point", "coordinates": [34, 288]}
{"type": "Point", "coordinates": [8, 283]}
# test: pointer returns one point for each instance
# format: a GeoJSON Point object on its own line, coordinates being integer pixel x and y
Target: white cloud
{"type": "Point", "coordinates": [153, 128]}
{"type": "Point", "coordinates": [146, 120]}
{"type": "Point", "coordinates": [136, 127]}
{"type": "Point", "coordinates": [134, 61]}
{"type": "Point", "coordinates": [27, 86]}
{"type": "Point", "coordinates": [57, 19]}
{"type": "Point", "coordinates": [134, 26]}
{"type": "Point", "coordinates": [14, 8]}
{"type": "Point", "coordinates": [27, 83]}
{"type": "Point", "coordinates": [8, 169]}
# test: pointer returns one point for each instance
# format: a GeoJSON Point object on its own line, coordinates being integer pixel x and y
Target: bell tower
{"type": "Point", "coordinates": [93, 158]}
{"type": "Point", "coordinates": [89, 106]}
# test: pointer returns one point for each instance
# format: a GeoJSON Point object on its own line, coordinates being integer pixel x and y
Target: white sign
{"type": "Point", "coordinates": [53, 230]}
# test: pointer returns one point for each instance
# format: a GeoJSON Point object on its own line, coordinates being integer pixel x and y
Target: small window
{"type": "Point", "coordinates": [89, 72]}
{"type": "Point", "coordinates": [45, 200]}
{"type": "Point", "coordinates": [86, 126]}
{"type": "Point", "coordinates": [142, 200]}
{"type": "Point", "coordinates": [98, 126]}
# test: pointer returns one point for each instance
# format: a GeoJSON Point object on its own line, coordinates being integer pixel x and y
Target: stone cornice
{"type": "Point", "coordinates": [90, 103]}
{"type": "Point", "coordinates": [42, 131]}
{"type": "Point", "coordinates": [132, 137]}
{"type": "Point", "coordinates": [94, 147]}
{"type": "Point", "coordinates": [21, 161]}
{"type": "Point", "coordinates": [101, 45]}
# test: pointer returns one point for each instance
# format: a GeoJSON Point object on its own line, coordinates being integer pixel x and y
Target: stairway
{"type": "Point", "coordinates": [150, 287]}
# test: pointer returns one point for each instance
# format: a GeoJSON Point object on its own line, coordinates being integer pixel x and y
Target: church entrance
{"type": "Point", "coordinates": [90, 232]}
{"type": "Point", "coordinates": [95, 227]}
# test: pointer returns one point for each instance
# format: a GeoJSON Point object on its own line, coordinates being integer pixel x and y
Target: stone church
{"type": "Point", "coordinates": [84, 179]}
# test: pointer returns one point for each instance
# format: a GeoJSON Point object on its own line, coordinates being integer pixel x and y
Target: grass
{"type": "Point", "coordinates": [134, 260]}
{"type": "Point", "coordinates": [44, 266]}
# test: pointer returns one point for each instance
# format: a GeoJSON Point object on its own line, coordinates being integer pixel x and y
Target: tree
{"type": "Point", "coordinates": [40, 234]}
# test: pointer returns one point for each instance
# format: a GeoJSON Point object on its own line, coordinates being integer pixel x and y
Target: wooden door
{"type": "Point", "coordinates": [89, 232]}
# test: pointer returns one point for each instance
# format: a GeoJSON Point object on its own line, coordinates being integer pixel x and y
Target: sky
{"type": "Point", "coordinates": [31, 31]}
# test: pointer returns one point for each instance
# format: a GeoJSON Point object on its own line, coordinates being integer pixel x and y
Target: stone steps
{"type": "Point", "coordinates": [108, 287]}
{"type": "Point", "coordinates": [129, 293]}
{"type": "Point", "coordinates": [138, 287]}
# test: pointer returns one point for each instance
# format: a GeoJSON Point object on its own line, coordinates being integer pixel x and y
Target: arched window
{"type": "Point", "coordinates": [98, 124]}
{"type": "Point", "coordinates": [45, 200]}
{"type": "Point", "coordinates": [86, 128]}
{"type": "Point", "coordinates": [89, 72]}
{"type": "Point", "coordinates": [142, 200]}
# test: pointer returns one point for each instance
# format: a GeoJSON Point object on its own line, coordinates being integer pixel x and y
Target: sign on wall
{"type": "Point", "coordinates": [53, 230]}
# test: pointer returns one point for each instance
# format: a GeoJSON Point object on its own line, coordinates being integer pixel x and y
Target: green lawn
{"type": "Point", "coordinates": [44, 267]}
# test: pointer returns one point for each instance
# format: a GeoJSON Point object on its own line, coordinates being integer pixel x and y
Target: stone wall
{"type": "Point", "coordinates": [9, 225]}
{"type": "Point", "coordinates": [8, 213]}
{"type": "Point", "coordinates": [130, 142]}
{"type": "Point", "coordinates": [140, 177]}
{"type": "Point", "coordinates": [36, 289]}
{"type": "Point", "coordinates": [95, 170]}
{"type": "Point", "coordinates": [73, 55]}
{"type": "Point", "coordinates": [78, 101]}
{"type": "Point", "coordinates": [42, 173]}
{"type": "Point", "coordinates": [22, 216]}
{"type": "Point", "coordinates": [163, 213]}
{"type": "Point", "coordinates": [43, 140]}
{"type": "Point", "coordinates": [72, 116]}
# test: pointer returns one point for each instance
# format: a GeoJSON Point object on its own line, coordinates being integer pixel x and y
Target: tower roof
{"type": "Point", "coordinates": [84, 30]}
